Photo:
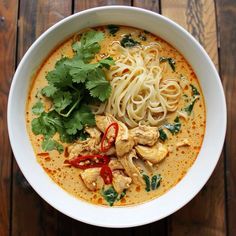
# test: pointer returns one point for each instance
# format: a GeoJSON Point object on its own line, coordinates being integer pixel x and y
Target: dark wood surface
{"type": "Point", "coordinates": [212, 211]}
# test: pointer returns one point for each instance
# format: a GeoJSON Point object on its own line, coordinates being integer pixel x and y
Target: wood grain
{"type": "Point", "coordinates": [205, 214]}
{"type": "Point", "coordinates": [80, 5]}
{"type": "Point", "coordinates": [227, 30]}
{"type": "Point", "coordinates": [153, 5]}
{"type": "Point", "coordinates": [8, 26]}
{"type": "Point", "coordinates": [30, 214]}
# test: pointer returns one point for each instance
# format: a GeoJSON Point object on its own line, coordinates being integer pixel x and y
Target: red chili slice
{"type": "Point", "coordinates": [106, 174]}
{"type": "Point", "coordinates": [89, 161]}
{"type": "Point", "coordinates": [112, 139]}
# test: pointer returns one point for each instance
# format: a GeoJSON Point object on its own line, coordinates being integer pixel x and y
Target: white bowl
{"type": "Point", "coordinates": [209, 154]}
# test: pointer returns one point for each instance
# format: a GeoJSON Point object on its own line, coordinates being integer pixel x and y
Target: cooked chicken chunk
{"type": "Point", "coordinates": [114, 164]}
{"type": "Point", "coordinates": [152, 154]}
{"type": "Point", "coordinates": [145, 135]}
{"type": "Point", "coordinates": [130, 168]}
{"type": "Point", "coordinates": [120, 182]}
{"type": "Point", "coordinates": [88, 146]}
{"type": "Point", "coordinates": [92, 179]}
{"type": "Point", "coordinates": [124, 142]}
{"type": "Point", "coordinates": [94, 134]}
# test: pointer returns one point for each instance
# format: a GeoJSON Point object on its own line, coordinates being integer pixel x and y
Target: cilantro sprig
{"type": "Point", "coordinates": [72, 85]}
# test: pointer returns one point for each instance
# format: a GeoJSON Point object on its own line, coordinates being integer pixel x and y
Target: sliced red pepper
{"type": "Point", "coordinates": [106, 174]}
{"type": "Point", "coordinates": [89, 161]}
{"type": "Point", "coordinates": [112, 139]}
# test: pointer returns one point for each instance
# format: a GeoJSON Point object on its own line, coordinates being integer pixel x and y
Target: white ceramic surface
{"type": "Point", "coordinates": [196, 177]}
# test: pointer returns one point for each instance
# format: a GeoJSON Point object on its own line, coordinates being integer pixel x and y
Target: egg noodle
{"type": "Point", "coordinates": [140, 94]}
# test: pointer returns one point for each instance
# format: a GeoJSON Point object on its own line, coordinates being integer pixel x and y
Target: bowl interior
{"type": "Point", "coordinates": [196, 177]}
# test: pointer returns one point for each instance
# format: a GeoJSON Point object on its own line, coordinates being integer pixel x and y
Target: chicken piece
{"type": "Point", "coordinates": [152, 154]}
{"type": "Point", "coordinates": [145, 135]}
{"type": "Point", "coordinates": [124, 142]}
{"type": "Point", "coordinates": [94, 134]}
{"type": "Point", "coordinates": [92, 179]}
{"type": "Point", "coordinates": [120, 182]}
{"type": "Point", "coordinates": [182, 143]}
{"type": "Point", "coordinates": [85, 147]}
{"type": "Point", "coordinates": [130, 169]}
{"type": "Point", "coordinates": [114, 164]}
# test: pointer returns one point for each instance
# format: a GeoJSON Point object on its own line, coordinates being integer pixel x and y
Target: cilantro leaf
{"type": "Point", "coordinates": [49, 144]}
{"type": "Point", "coordinates": [48, 91]}
{"type": "Point", "coordinates": [59, 77]}
{"type": "Point", "coordinates": [189, 108]}
{"type": "Point", "coordinates": [78, 119]}
{"type": "Point", "coordinates": [98, 86]}
{"type": "Point", "coordinates": [88, 45]}
{"type": "Point", "coordinates": [128, 42]}
{"type": "Point", "coordinates": [162, 135]}
{"type": "Point", "coordinates": [61, 100]}
{"type": "Point", "coordinates": [107, 62]}
{"type": "Point", "coordinates": [41, 125]}
{"type": "Point", "coordinates": [170, 60]}
{"type": "Point", "coordinates": [38, 108]}
{"type": "Point", "coordinates": [110, 195]}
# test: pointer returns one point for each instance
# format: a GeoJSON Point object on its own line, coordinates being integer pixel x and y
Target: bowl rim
{"type": "Point", "coordinates": [193, 193]}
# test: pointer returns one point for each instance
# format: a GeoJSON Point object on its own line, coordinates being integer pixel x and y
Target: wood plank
{"type": "Point", "coordinates": [8, 31]}
{"type": "Point", "coordinates": [227, 29]}
{"type": "Point", "coordinates": [80, 5]}
{"type": "Point", "coordinates": [31, 215]}
{"type": "Point", "coordinates": [66, 225]}
{"type": "Point", "coordinates": [159, 227]}
{"type": "Point", "coordinates": [205, 214]}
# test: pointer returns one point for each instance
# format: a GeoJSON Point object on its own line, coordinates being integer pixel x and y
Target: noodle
{"type": "Point", "coordinates": [140, 94]}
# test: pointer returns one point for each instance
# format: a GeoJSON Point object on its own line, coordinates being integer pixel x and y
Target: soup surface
{"type": "Point", "coordinates": [116, 116]}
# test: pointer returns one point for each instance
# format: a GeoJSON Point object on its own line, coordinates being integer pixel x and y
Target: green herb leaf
{"type": "Point", "coordinates": [174, 128]}
{"type": "Point", "coordinates": [59, 77]}
{"type": "Point", "coordinates": [98, 86]}
{"type": "Point", "coordinates": [170, 60]}
{"type": "Point", "coordinates": [162, 135]}
{"type": "Point", "coordinates": [155, 182]}
{"type": "Point", "coordinates": [121, 195]}
{"type": "Point", "coordinates": [143, 37]}
{"type": "Point", "coordinates": [189, 108]}
{"type": "Point", "coordinates": [61, 100]}
{"type": "Point", "coordinates": [128, 42]}
{"type": "Point", "coordinates": [88, 45]}
{"type": "Point", "coordinates": [147, 182]}
{"type": "Point", "coordinates": [110, 195]}
{"type": "Point", "coordinates": [38, 108]}
{"type": "Point", "coordinates": [49, 144]}
{"type": "Point", "coordinates": [48, 91]}
{"type": "Point", "coordinates": [78, 119]}
{"type": "Point", "coordinates": [113, 29]}
{"type": "Point", "coordinates": [194, 90]}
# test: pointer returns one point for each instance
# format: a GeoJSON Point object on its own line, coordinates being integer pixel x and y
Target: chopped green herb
{"type": "Point", "coordinates": [194, 90]}
{"type": "Point", "coordinates": [38, 108]}
{"type": "Point", "coordinates": [155, 182]}
{"type": "Point", "coordinates": [113, 29]}
{"type": "Point", "coordinates": [127, 41]}
{"type": "Point", "coordinates": [110, 195]}
{"type": "Point", "coordinates": [185, 95]}
{"type": "Point", "coordinates": [147, 182]}
{"type": "Point", "coordinates": [49, 144]}
{"type": "Point", "coordinates": [162, 135]}
{"type": "Point", "coordinates": [189, 108]}
{"type": "Point", "coordinates": [170, 60]}
{"type": "Point", "coordinates": [175, 127]}
{"type": "Point", "coordinates": [88, 45]}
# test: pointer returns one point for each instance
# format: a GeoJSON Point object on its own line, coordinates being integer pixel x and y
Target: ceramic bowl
{"type": "Point", "coordinates": [213, 141]}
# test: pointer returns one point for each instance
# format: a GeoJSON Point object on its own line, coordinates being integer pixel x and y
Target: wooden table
{"type": "Point", "coordinates": [212, 211]}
